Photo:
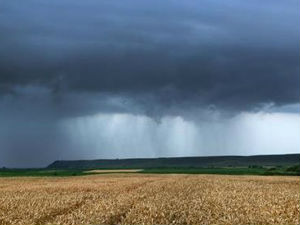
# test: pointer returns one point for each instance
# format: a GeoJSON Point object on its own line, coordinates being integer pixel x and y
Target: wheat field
{"type": "Point", "coordinates": [150, 199]}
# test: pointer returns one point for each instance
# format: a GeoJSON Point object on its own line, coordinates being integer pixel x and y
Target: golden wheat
{"type": "Point", "coordinates": [150, 199]}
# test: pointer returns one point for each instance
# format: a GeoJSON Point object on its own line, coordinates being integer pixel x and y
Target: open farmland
{"type": "Point", "coordinates": [150, 199]}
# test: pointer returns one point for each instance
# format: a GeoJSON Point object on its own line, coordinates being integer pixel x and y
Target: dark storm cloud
{"type": "Point", "coordinates": [78, 77]}
{"type": "Point", "coordinates": [232, 55]}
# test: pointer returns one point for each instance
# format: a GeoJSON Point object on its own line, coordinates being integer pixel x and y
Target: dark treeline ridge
{"type": "Point", "coordinates": [181, 162]}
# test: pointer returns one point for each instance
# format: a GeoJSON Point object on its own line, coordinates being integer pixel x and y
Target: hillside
{"type": "Point", "coordinates": [181, 162]}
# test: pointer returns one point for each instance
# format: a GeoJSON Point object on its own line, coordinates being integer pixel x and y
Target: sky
{"type": "Point", "coordinates": [134, 78]}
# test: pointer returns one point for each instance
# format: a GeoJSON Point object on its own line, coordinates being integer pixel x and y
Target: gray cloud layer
{"type": "Point", "coordinates": [156, 55]}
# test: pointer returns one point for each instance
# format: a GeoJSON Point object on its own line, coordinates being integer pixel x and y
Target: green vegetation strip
{"type": "Point", "coordinates": [39, 173]}
{"type": "Point", "coordinates": [251, 170]}
{"type": "Point", "coordinates": [227, 171]}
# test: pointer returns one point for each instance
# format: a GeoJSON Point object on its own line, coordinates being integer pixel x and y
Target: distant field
{"type": "Point", "coordinates": [150, 199]}
{"type": "Point", "coordinates": [114, 171]}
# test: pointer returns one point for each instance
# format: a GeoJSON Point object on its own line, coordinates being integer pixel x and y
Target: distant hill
{"type": "Point", "coordinates": [181, 162]}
